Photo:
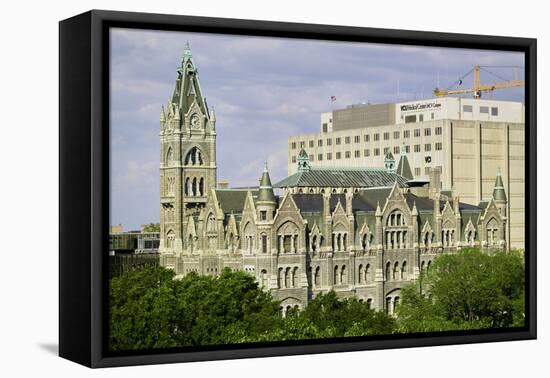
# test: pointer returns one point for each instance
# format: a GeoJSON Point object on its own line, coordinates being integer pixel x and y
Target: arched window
{"type": "Point", "coordinates": [314, 243]}
{"type": "Point", "coordinates": [287, 236]}
{"type": "Point", "coordinates": [187, 186]}
{"type": "Point", "coordinates": [169, 155]}
{"type": "Point", "coordinates": [263, 277]}
{"type": "Point", "coordinates": [367, 274]}
{"type": "Point", "coordinates": [395, 271]}
{"type": "Point", "coordinates": [344, 276]}
{"type": "Point", "coordinates": [201, 186]}
{"type": "Point", "coordinates": [388, 271]}
{"type": "Point", "coordinates": [211, 223]}
{"type": "Point", "coordinates": [345, 242]}
{"type": "Point", "coordinates": [360, 274]}
{"type": "Point", "coordinates": [170, 239]}
{"type": "Point", "coordinates": [389, 309]}
{"type": "Point", "coordinates": [335, 281]}
{"type": "Point", "coordinates": [317, 279]}
{"type": "Point", "coordinates": [492, 232]}
{"type": "Point", "coordinates": [287, 277]}
{"type": "Point", "coordinates": [369, 303]}
{"type": "Point", "coordinates": [295, 277]}
{"type": "Point", "coordinates": [264, 243]}
{"type": "Point", "coordinates": [428, 267]}
{"type": "Point", "coordinates": [194, 157]}
{"type": "Point", "coordinates": [194, 186]}
{"type": "Point", "coordinates": [404, 274]}
{"type": "Point", "coordinates": [280, 278]}
{"type": "Point", "coordinates": [365, 241]}
{"type": "Point", "coordinates": [396, 230]}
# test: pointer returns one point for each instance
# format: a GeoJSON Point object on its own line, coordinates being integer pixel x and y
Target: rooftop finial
{"type": "Point", "coordinates": [265, 166]}
{"type": "Point", "coordinates": [187, 51]}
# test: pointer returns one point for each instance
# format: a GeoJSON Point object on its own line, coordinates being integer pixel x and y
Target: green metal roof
{"type": "Point", "coordinates": [338, 177]}
{"type": "Point", "coordinates": [232, 200]}
{"type": "Point", "coordinates": [266, 189]}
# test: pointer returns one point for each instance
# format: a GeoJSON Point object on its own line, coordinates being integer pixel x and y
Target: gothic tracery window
{"type": "Point", "coordinates": [396, 230]}
{"type": "Point", "coordinates": [194, 157]}
{"type": "Point", "coordinates": [492, 232]}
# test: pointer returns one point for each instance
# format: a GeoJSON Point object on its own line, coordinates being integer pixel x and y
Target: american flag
{"type": "Point", "coordinates": [332, 98]}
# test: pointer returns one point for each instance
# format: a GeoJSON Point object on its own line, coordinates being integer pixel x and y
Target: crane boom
{"type": "Point", "coordinates": [478, 88]}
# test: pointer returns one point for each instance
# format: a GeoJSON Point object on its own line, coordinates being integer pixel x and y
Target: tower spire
{"type": "Point", "coordinates": [266, 194]}
{"type": "Point", "coordinates": [499, 194]}
{"type": "Point", "coordinates": [389, 162]}
{"type": "Point", "coordinates": [403, 167]}
{"type": "Point", "coordinates": [303, 161]}
{"type": "Point", "coordinates": [187, 51]}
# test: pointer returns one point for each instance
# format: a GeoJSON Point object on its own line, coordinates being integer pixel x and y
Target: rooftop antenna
{"type": "Point", "coordinates": [398, 94]}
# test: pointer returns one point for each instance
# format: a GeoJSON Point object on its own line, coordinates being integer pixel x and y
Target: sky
{"type": "Point", "coordinates": [263, 90]}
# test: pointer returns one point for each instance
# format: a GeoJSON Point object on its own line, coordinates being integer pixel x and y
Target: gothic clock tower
{"type": "Point", "coordinates": [187, 158]}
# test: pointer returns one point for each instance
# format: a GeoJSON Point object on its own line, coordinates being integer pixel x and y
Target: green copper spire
{"type": "Point", "coordinates": [403, 168]}
{"type": "Point", "coordinates": [389, 162]}
{"type": "Point", "coordinates": [266, 194]}
{"type": "Point", "coordinates": [499, 193]}
{"type": "Point", "coordinates": [187, 51]}
{"type": "Point", "coordinates": [303, 161]}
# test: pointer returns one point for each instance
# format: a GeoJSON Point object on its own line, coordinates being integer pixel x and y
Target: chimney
{"type": "Point", "coordinates": [435, 181]}
{"type": "Point", "coordinates": [223, 184]}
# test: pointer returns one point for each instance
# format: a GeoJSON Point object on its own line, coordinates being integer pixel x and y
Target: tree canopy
{"type": "Point", "coordinates": [150, 308]}
{"type": "Point", "coordinates": [150, 227]}
{"type": "Point", "coordinates": [466, 290]}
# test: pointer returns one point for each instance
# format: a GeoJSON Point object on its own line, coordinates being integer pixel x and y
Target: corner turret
{"type": "Point", "coordinates": [267, 201]}
{"type": "Point", "coordinates": [499, 194]}
{"type": "Point", "coordinates": [389, 162]}
{"type": "Point", "coordinates": [303, 161]}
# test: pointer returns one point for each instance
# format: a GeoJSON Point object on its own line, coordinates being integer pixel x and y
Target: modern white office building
{"type": "Point", "coordinates": [470, 139]}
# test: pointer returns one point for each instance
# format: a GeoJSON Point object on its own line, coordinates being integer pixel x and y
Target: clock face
{"type": "Point", "coordinates": [195, 121]}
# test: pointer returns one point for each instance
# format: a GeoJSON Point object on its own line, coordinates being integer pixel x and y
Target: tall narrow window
{"type": "Point", "coordinates": [264, 243]}
{"type": "Point", "coordinates": [263, 276]}
{"type": "Point", "coordinates": [317, 280]}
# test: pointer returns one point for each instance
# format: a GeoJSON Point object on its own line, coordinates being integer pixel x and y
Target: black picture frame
{"type": "Point", "coordinates": [84, 183]}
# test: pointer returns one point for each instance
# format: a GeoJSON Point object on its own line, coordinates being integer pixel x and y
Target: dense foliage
{"type": "Point", "coordinates": [467, 290]}
{"type": "Point", "coordinates": [151, 227]}
{"type": "Point", "coordinates": [151, 309]}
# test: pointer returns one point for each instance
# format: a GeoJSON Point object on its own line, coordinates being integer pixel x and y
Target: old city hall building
{"type": "Point", "coordinates": [357, 231]}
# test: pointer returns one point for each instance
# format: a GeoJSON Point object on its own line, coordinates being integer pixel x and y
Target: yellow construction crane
{"type": "Point", "coordinates": [478, 88]}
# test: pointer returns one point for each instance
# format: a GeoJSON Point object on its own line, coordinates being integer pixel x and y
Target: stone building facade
{"type": "Point", "coordinates": [362, 232]}
{"type": "Point", "coordinates": [470, 139]}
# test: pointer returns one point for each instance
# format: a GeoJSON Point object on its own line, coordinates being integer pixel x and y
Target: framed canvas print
{"type": "Point", "coordinates": [234, 188]}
